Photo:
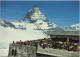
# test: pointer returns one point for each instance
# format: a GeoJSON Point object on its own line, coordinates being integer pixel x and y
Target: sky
{"type": "Point", "coordinates": [62, 13]}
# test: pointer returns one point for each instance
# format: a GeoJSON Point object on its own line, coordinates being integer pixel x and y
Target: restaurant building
{"type": "Point", "coordinates": [73, 36]}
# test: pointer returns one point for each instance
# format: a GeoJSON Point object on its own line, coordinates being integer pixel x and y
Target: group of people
{"type": "Point", "coordinates": [28, 43]}
{"type": "Point", "coordinates": [49, 43]}
{"type": "Point", "coordinates": [70, 46]}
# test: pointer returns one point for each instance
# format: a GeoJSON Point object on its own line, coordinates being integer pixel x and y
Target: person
{"type": "Point", "coordinates": [15, 52]}
{"type": "Point", "coordinates": [43, 46]}
{"type": "Point", "coordinates": [31, 43]}
{"type": "Point", "coordinates": [36, 45]}
{"type": "Point", "coordinates": [27, 43]}
{"type": "Point", "coordinates": [23, 43]}
{"type": "Point", "coordinates": [75, 47]}
{"type": "Point", "coordinates": [20, 42]}
{"type": "Point", "coordinates": [40, 43]}
{"type": "Point", "coordinates": [13, 42]}
{"type": "Point", "coordinates": [12, 53]}
{"type": "Point", "coordinates": [67, 46]}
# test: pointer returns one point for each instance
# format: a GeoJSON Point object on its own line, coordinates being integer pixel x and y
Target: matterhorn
{"type": "Point", "coordinates": [35, 16]}
{"type": "Point", "coordinates": [34, 19]}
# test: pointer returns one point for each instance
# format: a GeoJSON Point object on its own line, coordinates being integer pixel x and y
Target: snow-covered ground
{"type": "Point", "coordinates": [8, 35]}
{"type": "Point", "coordinates": [4, 52]}
{"type": "Point", "coordinates": [58, 52]}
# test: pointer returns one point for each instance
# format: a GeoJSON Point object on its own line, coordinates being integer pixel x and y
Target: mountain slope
{"type": "Point", "coordinates": [5, 23]}
{"type": "Point", "coordinates": [38, 18]}
{"type": "Point", "coordinates": [34, 19]}
{"type": "Point", "coordinates": [76, 26]}
{"type": "Point", "coordinates": [34, 14]}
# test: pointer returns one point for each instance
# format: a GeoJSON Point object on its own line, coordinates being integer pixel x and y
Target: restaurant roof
{"type": "Point", "coordinates": [73, 33]}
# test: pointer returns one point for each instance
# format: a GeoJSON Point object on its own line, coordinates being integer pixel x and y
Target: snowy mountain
{"type": "Point", "coordinates": [5, 23]}
{"type": "Point", "coordinates": [71, 27]}
{"type": "Point", "coordinates": [76, 26]}
{"type": "Point", "coordinates": [34, 19]}
{"type": "Point", "coordinates": [34, 14]}
{"type": "Point", "coordinates": [38, 18]}
{"type": "Point", "coordinates": [67, 28]}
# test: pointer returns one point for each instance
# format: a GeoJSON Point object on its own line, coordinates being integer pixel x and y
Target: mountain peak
{"type": "Point", "coordinates": [35, 6]}
{"type": "Point", "coordinates": [34, 14]}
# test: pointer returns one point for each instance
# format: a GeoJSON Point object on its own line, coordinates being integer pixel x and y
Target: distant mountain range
{"type": "Point", "coordinates": [36, 20]}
